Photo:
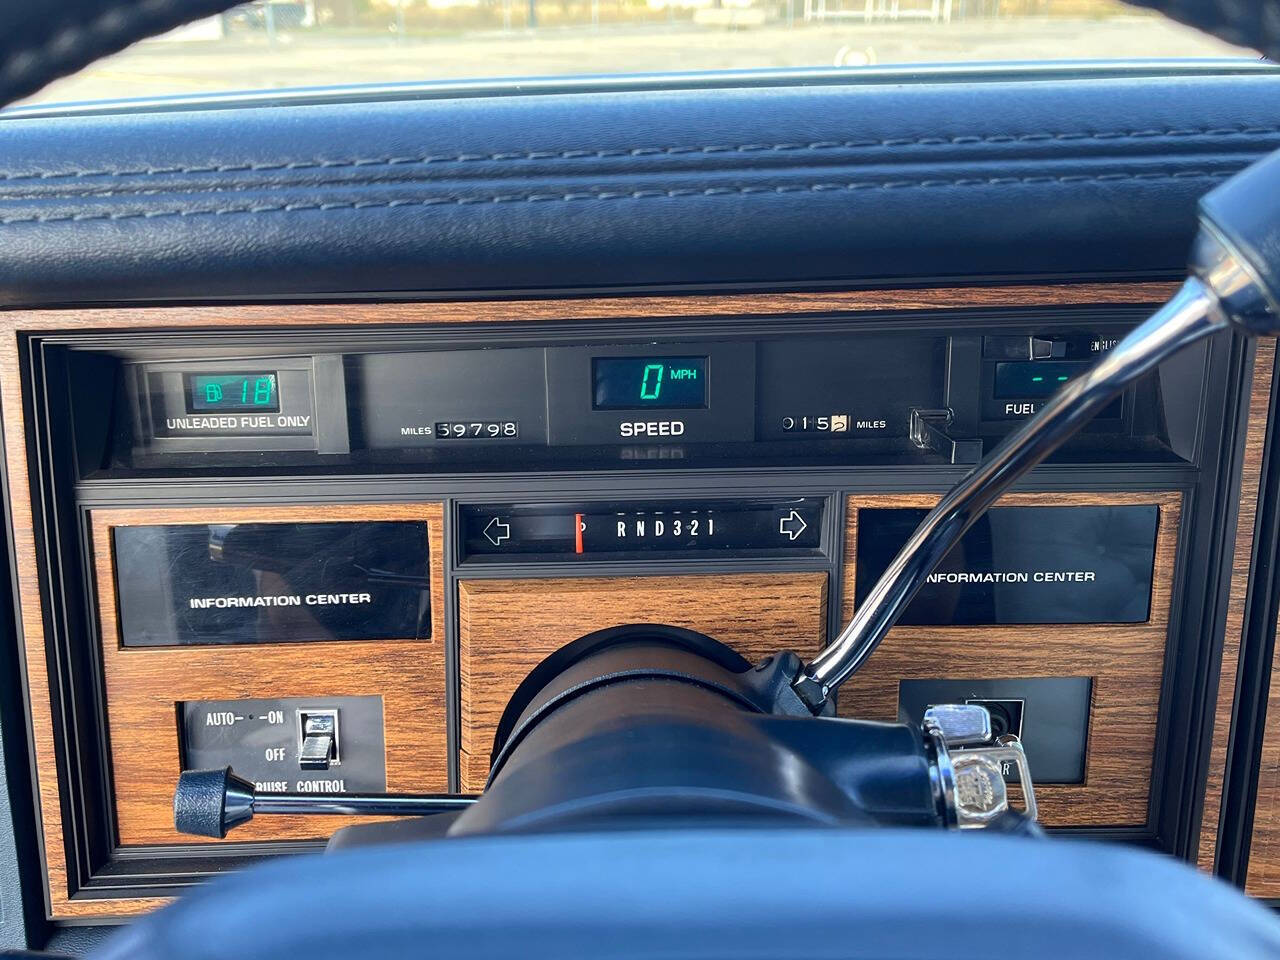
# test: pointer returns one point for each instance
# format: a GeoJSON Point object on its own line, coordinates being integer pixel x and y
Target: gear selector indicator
{"type": "Point", "coordinates": [651, 530]}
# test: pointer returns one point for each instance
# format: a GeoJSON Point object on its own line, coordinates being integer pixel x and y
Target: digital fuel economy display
{"type": "Point", "coordinates": [1035, 378]}
{"type": "Point", "coordinates": [649, 383]}
{"type": "Point", "coordinates": [232, 392]}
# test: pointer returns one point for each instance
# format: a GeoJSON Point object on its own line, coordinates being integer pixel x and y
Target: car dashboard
{"type": "Point", "coordinates": [326, 422]}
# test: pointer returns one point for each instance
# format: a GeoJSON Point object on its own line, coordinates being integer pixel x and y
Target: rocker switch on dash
{"type": "Point", "coordinates": [318, 743]}
{"type": "Point", "coordinates": [1028, 347]}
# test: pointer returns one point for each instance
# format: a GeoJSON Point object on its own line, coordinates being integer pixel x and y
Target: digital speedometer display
{"type": "Point", "coordinates": [649, 383]}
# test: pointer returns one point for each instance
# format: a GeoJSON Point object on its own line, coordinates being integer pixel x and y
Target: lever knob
{"type": "Point", "coordinates": [208, 803]}
{"type": "Point", "coordinates": [1238, 252]}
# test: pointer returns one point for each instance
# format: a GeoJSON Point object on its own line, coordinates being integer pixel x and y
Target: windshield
{"type": "Point", "coordinates": [275, 44]}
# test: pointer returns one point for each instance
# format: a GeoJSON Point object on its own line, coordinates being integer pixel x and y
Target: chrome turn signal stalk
{"type": "Point", "coordinates": [1235, 284]}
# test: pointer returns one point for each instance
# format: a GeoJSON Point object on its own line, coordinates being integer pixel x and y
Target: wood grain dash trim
{"type": "Point", "coordinates": [144, 684]}
{"type": "Point", "coordinates": [15, 324]}
{"type": "Point", "coordinates": [1263, 875]}
{"type": "Point", "coordinates": [1126, 662]}
{"type": "Point", "coordinates": [592, 308]}
{"type": "Point", "coordinates": [1241, 561]}
{"type": "Point", "coordinates": [754, 613]}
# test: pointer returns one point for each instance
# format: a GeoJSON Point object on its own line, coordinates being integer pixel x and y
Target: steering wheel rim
{"type": "Point", "coordinates": [783, 894]}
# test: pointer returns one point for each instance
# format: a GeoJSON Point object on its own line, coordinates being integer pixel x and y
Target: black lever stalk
{"type": "Point", "coordinates": [209, 803]}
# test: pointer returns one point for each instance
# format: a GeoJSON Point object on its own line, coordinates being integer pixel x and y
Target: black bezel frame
{"type": "Point", "coordinates": [97, 869]}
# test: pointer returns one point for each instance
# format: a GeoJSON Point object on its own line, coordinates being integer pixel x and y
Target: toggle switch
{"type": "Point", "coordinates": [318, 739]}
{"type": "Point", "coordinates": [1031, 347]}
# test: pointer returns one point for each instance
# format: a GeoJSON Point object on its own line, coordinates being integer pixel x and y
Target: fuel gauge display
{"type": "Point", "coordinates": [232, 392]}
{"type": "Point", "coordinates": [1034, 379]}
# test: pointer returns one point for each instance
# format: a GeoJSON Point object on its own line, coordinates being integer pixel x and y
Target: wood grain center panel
{"type": "Point", "coordinates": [1126, 662]}
{"type": "Point", "coordinates": [507, 627]}
{"type": "Point", "coordinates": [143, 685]}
